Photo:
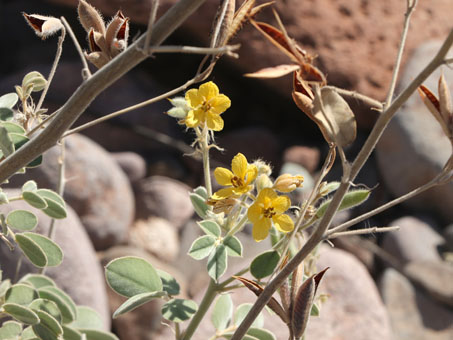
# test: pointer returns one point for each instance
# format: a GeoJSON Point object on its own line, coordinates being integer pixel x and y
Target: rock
{"type": "Point", "coordinates": [95, 187]}
{"type": "Point", "coordinates": [415, 241]}
{"type": "Point", "coordinates": [412, 315]}
{"type": "Point", "coordinates": [413, 148]}
{"type": "Point", "coordinates": [448, 235]}
{"type": "Point", "coordinates": [80, 274]}
{"type": "Point", "coordinates": [133, 165]}
{"type": "Point", "coordinates": [303, 155]}
{"type": "Point", "coordinates": [435, 277]}
{"type": "Point", "coordinates": [352, 244]}
{"type": "Point", "coordinates": [157, 236]}
{"type": "Point", "coordinates": [164, 197]}
{"type": "Point", "coordinates": [144, 323]}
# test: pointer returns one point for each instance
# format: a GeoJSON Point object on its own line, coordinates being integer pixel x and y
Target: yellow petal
{"type": "Point", "coordinates": [208, 90]}
{"type": "Point", "coordinates": [193, 98]}
{"type": "Point", "coordinates": [255, 213]}
{"type": "Point", "coordinates": [281, 204]}
{"type": "Point", "coordinates": [239, 165]}
{"type": "Point", "coordinates": [261, 229]}
{"type": "Point", "coordinates": [214, 122]}
{"type": "Point", "coordinates": [251, 173]}
{"type": "Point", "coordinates": [220, 104]}
{"type": "Point", "coordinates": [223, 176]}
{"type": "Point", "coordinates": [283, 223]}
{"type": "Point", "coordinates": [223, 193]}
{"type": "Point", "coordinates": [191, 120]}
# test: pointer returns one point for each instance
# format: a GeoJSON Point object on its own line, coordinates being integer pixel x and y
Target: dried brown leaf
{"type": "Point", "coordinates": [259, 8]}
{"type": "Point", "coordinates": [43, 26]}
{"type": "Point", "coordinates": [433, 105]}
{"type": "Point", "coordinates": [90, 17]}
{"type": "Point", "coordinates": [304, 103]}
{"type": "Point", "coordinates": [273, 72]}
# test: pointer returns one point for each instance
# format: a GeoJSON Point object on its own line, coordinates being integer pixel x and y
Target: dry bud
{"type": "Point", "coordinates": [287, 183]}
{"type": "Point", "coordinates": [90, 18]}
{"type": "Point", "coordinates": [42, 25]}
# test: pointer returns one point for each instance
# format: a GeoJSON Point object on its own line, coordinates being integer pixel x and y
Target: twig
{"type": "Point", "coordinates": [363, 231]}
{"type": "Point", "coordinates": [228, 50]}
{"type": "Point", "coordinates": [86, 70]}
{"type": "Point", "coordinates": [93, 86]}
{"type": "Point", "coordinates": [411, 4]}
{"type": "Point", "coordinates": [53, 69]}
{"type": "Point", "coordinates": [149, 30]}
{"type": "Point", "coordinates": [356, 95]}
{"type": "Point", "coordinates": [448, 61]}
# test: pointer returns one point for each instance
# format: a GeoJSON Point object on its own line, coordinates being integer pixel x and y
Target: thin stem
{"type": "Point", "coordinates": [356, 95]}
{"type": "Point", "coordinates": [238, 226]}
{"type": "Point", "coordinates": [372, 230]}
{"type": "Point", "coordinates": [86, 70]}
{"type": "Point", "coordinates": [228, 50]}
{"type": "Point", "coordinates": [18, 266]}
{"type": "Point", "coordinates": [231, 279]}
{"type": "Point", "coordinates": [152, 19]}
{"type": "Point", "coordinates": [383, 207]}
{"type": "Point", "coordinates": [204, 144]}
{"type": "Point", "coordinates": [407, 18]}
{"type": "Point", "coordinates": [202, 309]}
{"type": "Point", "coordinates": [53, 69]}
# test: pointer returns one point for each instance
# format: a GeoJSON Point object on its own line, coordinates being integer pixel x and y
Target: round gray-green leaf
{"type": "Point", "coordinates": [71, 333]}
{"type": "Point", "coordinates": [264, 264]}
{"type": "Point", "coordinates": [94, 334]}
{"type": "Point", "coordinates": [21, 313]}
{"type": "Point", "coordinates": [179, 310]}
{"type": "Point", "coordinates": [10, 330]}
{"type": "Point", "coordinates": [199, 204]}
{"type": "Point", "coordinates": [129, 276]}
{"type": "Point", "coordinates": [32, 250]}
{"type": "Point", "coordinates": [34, 200]}
{"type": "Point", "coordinates": [13, 127]}
{"type": "Point", "coordinates": [169, 283]}
{"type": "Point", "coordinates": [21, 294]}
{"type": "Point", "coordinates": [222, 312]}
{"type": "Point", "coordinates": [53, 252]}
{"type": "Point", "coordinates": [210, 228]}
{"type": "Point", "coordinates": [233, 246]}
{"type": "Point", "coordinates": [201, 191]}
{"type": "Point", "coordinates": [56, 207]}
{"type": "Point", "coordinates": [6, 114]}
{"type": "Point", "coordinates": [30, 186]}
{"type": "Point", "coordinates": [64, 302]}
{"type": "Point", "coordinates": [28, 334]}
{"type": "Point", "coordinates": [47, 306]}
{"type": "Point", "coordinates": [261, 334]}
{"type": "Point", "coordinates": [9, 100]}
{"type": "Point", "coordinates": [241, 313]}
{"type": "Point", "coordinates": [48, 328]}
{"type": "Point", "coordinates": [202, 247]}
{"type": "Point", "coordinates": [22, 220]}
{"type": "Point", "coordinates": [87, 318]}
{"type": "Point", "coordinates": [218, 262]}
{"type": "Point", "coordinates": [136, 301]}
{"type": "Point", "coordinates": [46, 193]}
{"type": "Point", "coordinates": [36, 79]}
{"type": "Point", "coordinates": [38, 280]}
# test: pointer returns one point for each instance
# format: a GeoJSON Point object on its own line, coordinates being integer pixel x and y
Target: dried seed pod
{"type": "Point", "coordinates": [90, 17]}
{"type": "Point", "coordinates": [43, 26]}
{"type": "Point", "coordinates": [446, 108]}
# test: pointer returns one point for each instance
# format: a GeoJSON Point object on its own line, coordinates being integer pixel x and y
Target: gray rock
{"type": "Point", "coordinates": [133, 165]}
{"type": "Point", "coordinates": [80, 274]}
{"type": "Point", "coordinates": [413, 316]}
{"type": "Point", "coordinates": [96, 188]}
{"type": "Point", "coordinates": [164, 197]}
{"type": "Point", "coordinates": [415, 241]}
{"type": "Point", "coordinates": [413, 149]}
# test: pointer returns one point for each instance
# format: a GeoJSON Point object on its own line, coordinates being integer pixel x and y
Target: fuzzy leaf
{"type": "Point", "coordinates": [8, 100]}
{"type": "Point", "coordinates": [34, 79]}
{"type": "Point", "coordinates": [64, 302]}
{"type": "Point", "coordinates": [71, 333]}
{"type": "Point", "coordinates": [202, 247]}
{"type": "Point", "coordinates": [38, 280]}
{"type": "Point", "coordinates": [34, 200]}
{"type": "Point", "coordinates": [178, 310]}
{"type": "Point", "coordinates": [95, 334]}
{"type": "Point", "coordinates": [217, 262]}
{"type": "Point", "coordinates": [136, 301]}
{"type": "Point", "coordinates": [241, 313]}
{"type": "Point", "coordinates": [6, 142]}
{"type": "Point", "coordinates": [47, 306]}
{"type": "Point", "coordinates": [233, 246]}
{"type": "Point", "coordinates": [10, 330]}
{"type": "Point", "coordinates": [199, 204]}
{"type": "Point", "coordinates": [264, 264]}
{"type": "Point", "coordinates": [350, 200]}
{"type": "Point", "coordinates": [210, 228]}
{"type": "Point", "coordinates": [222, 312]}
{"type": "Point", "coordinates": [32, 250]}
{"type": "Point", "coordinates": [87, 318]}
{"type": "Point", "coordinates": [13, 127]}
{"type": "Point", "coordinates": [22, 220]}
{"type": "Point", "coordinates": [21, 313]}
{"type": "Point", "coordinates": [53, 252]}
{"type": "Point", "coordinates": [21, 294]}
{"type": "Point", "coordinates": [6, 114]}
{"type": "Point", "coordinates": [169, 283]}
{"type": "Point", "coordinates": [48, 327]}
{"type": "Point", "coordinates": [261, 334]}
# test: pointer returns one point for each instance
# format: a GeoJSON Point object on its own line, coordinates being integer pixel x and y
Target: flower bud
{"type": "Point", "coordinates": [263, 181]}
{"type": "Point", "coordinates": [263, 167]}
{"type": "Point", "coordinates": [288, 183]}
{"type": "Point", "coordinates": [180, 108]}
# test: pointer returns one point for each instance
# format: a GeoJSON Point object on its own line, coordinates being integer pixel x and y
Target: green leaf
{"type": "Point", "coordinates": [233, 246]}
{"type": "Point", "coordinates": [169, 283]}
{"type": "Point", "coordinates": [21, 313]}
{"type": "Point", "coordinates": [261, 334]}
{"type": "Point", "coordinates": [64, 302]}
{"type": "Point", "coordinates": [241, 313]}
{"type": "Point", "coordinates": [314, 310]}
{"type": "Point", "coordinates": [6, 142]}
{"type": "Point", "coordinates": [3, 198]}
{"type": "Point", "coordinates": [46, 193]}
{"type": "Point", "coordinates": [350, 200]}
{"type": "Point", "coordinates": [129, 276]}
{"type": "Point", "coordinates": [94, 334]}
{"type": "Point", "coordinates": [245, 337]}
{"type": "Point", "coordinates": [38, 280]}
{"type": "Point", "coordinates": [21, 294]}
{"type": "Point", "coordinates": [36, 79]}
{"type": "Point", "coordinates": [217, 262]}
{"type": "Point", "coordinates": [201, 191]}
{"type": "Point", "coordinates": [199, 204]}
{"type": "Point", "coordinates": [4, 286]}
{"type": "Point", "coordinates": [71, 333]}
{"type": "Point", "coordinates": [222, 312]}
{"type": "Point", "coordinates": [28, 334]}
{"type": "Point", "coordinates": [10, 330]}
{"type": "Point", "coordinates": [48, 327]}
{"type": "Point", "coordinates": [53, 252]}
{"type": "Point", "coordinates": [13, 127]}
{"type": "Point", "coordinates": [34, 200]}
{"type": "Point", "coordinates": [6, 114]}
{"type": "Point", "coordinates": [30, 186]}
{"type": "Point", "coordinates": [135, 302]}
{"type": "Point", "coordinates": [178, 310]}
{"type": "Point", "coordinates": [202, 247]}
{"type": "Point", "coordinates": [20, 140]}
{"type": "Point", "coordinates": [56, 207]}
{"type": "Point", "coordinates": [22, 220]}
{"type": "Point", "coordinates": [47, 306]}
{"type": "Point", "coordinates": [87, 318]}
{"type": "Point", "coordinates": [210, 228]}
{"type": "Point", "coordinates": [264, 264]}
{"type": "Point", "coordinates": [9, 100]}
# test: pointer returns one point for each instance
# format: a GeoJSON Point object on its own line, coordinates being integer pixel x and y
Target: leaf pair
{"type": "Point", "coordinates": [105, 42]}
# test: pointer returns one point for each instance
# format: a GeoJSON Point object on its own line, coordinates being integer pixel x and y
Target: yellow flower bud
{"type": "Point", "coordinates": [288, 183]}
{"type": "Point", "coordinates": [263, 181]}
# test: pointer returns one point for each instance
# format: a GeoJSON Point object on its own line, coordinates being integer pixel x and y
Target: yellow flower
{"type": "Point", "coordinates": [206, 106]}
{"type": "Point", "coordinates": [267, 209]}
{"type": "Point", "coordinates": [239, 181]}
